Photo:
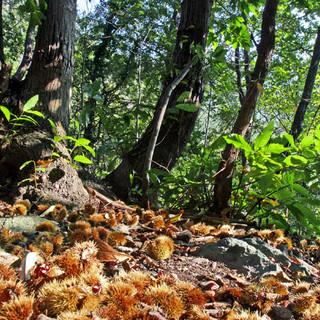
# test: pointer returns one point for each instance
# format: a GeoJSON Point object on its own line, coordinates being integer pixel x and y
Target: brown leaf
{"type": "Point", "coordinates": [107, 254]}
{"type": "Point", "coordinates": [44, 163]}
{"type": "Point", "coordinates": [153, 262]}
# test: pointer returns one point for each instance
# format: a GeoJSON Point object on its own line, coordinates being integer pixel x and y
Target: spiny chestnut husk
{"type": "Point", "coordinates": [60, 296]}
{"type": "Point", "coordinates": [122, 296]}
{"type": "Point", "coordinates": [200, 229]}
{"type": "Point", "coordinates": [189, 294]}
{"type": "Point", "coordinates": [19, 308]}
{"type": "Point", "coordinates": [161, 248]}
{"type": "Point", "coordinates": [117, 239]}
{"type": "Point", "coordinates": [166, 298]}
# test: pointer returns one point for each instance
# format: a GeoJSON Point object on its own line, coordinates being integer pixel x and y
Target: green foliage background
{"type": "Point", "coordinates": [123, 52]}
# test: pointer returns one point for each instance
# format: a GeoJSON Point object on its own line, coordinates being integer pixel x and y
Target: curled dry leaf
{"type": "Point", "coordinates": [107, 254]}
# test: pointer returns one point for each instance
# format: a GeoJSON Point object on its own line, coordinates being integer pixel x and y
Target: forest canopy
{"type": "Point", "coordinates": [202, 105]}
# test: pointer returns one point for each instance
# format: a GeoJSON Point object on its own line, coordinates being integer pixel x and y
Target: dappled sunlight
{"type": "Point", "coordinates": [53, 85]}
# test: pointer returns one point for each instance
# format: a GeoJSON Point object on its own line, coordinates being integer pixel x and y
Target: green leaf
{"type": "Point", "coordinates": [296, 212]}
{"type": "Point", "coordinates": [26, 118]}
{"type": "Point", "coordinates": [263, 138]}
{"type": "Point", "coordinates": [306, 141]}
{"type": "Point", "coordinates": [300, 189]}
{"type": "Point", "coordinates": [57, 139]}
{"type": "Point", "coordinates": [295, 160]}
{"type": "Point", "coordinates": [158, 172]}
{"type": "Point", "coordinates": [36, 113]}
{"type": "Point", "coordinates": [283, 194]}
{"type": "Point", "coordinates": [82, 159]}
{"type": "Point", "coordinates": [90, 150]}
{"type": "Point", "coordinates": [82, 142]}
{"type": "Point", "coordinates": [306, 214]}
{"type": "Point", "coordinates": [311, 201]}
{"type": "Point", "coordinates": [25, 164]}
{"type": "Point", "coordinates": [154, 179]}
{"type": "Point", "coordinates": [290, 139]}
{"type": "Point", "coordinates": [239, 142]}
{"type": "Point", "coordinates": [187, 107]}
{"type": "Point", "coordinates": [6, 112]}
{"type": "Point", "coordinates": [31, 103]}
{"type": "Point", "coordinates": [184, 95]}
{"type": "Point", "coordinates": [53, 125]}
{"type": "Point", "coordinates": [265, 182]}
{"type": "Point", "coordinates": [276, 148]}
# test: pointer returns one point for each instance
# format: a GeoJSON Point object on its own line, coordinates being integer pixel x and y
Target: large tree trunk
{"type": "Point", "coordinates": [49, 76]}
{"type": "Point", "coordinates": [223, 183]}
{"type": "Point", "coordinates": [174, 133]}
{"type": "Point", "coordinates": [297, 124]}
{"type": "Point", "coordinates": [51, 71]}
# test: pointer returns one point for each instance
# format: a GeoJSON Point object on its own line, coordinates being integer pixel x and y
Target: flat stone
{"type": "Point", "coordinates": [250, 256]}
{"type": "Point", "coordinates": [23, 223]}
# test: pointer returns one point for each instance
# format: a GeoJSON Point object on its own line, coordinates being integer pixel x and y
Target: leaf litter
{"type": "Point", "coordinates": [111, 262]}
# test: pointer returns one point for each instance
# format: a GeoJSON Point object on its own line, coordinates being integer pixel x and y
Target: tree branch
{"type": "Point", "coordinates": [297, 124]}
{"type": "Point", "coordinates": [156, 130]}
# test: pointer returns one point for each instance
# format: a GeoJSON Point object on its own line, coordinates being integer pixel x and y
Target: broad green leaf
{"type": "Point", "coordinates": [297, 213]}
{"type": "Point", "coordinates": [187, 107]}
{"type": "Point", "coordinates": [307, 213]}
{"type": "Point", "coordinates": [97, 97]}
{"type": "Point", "coordinates": [82, 142]}
{"type": "Point", "coordinates": [154, 179]}
{"type": "Point", "coordinates": [298, 160]}
{"type": "Point", "coordinates": [6, 112]}
{"type": "Point", "coordinates": [184, 95]}
{"type": "Point", "coordinates": [31, 103]}
{"type": "Point", "coordinates": [300, 189]}
{"type": "Point", "coordinates": [311, 201]}
{"type": "Point", "coordinates": [289, 138]}
{"type": "Point", "coordinates": [158, 172]}
{"type": "Point", "coordinates": [306, 141]}
{"type": "Point", "coordinates": [295, 160]}
{"type": "Point", "coordinates": [90, 150]}
{"type": "Point", "coordinates": [265, 182]}
{"type": "Point", "coordinates": [239, 142]}
{"type": "Point", "coordinates": [82, 159]}
{"type": "Point", "coordinates": [263, 138]}
{"type": "Point", "coordinates": [283, 194]}
{"type": "Point", "coordinates": [276, 148]}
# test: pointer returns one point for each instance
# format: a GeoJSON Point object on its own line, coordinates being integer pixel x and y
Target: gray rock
{"type": "Point", "coordinates": [249, 256]}
{"type": "Point", "coordinates": [22, 223]}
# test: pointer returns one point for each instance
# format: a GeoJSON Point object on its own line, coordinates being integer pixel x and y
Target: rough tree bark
{"type": "Point", "coordinates": [174, 133]}
{"type": "Point", "coordinates": [49, 76]}
{"type": "Point", "coordinates": [297, 124]}
{"type": "Point", "coordinates": [223, 182]}
{"type": "Point", "coordinates": [27, 55]}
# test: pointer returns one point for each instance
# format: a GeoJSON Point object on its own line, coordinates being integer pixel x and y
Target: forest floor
{"type": "Point", "coordinates": [88, 255]}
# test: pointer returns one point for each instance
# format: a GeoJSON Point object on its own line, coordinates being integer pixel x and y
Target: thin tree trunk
{"type": "Point", "coordinates": [223, 183]}
{"type": "Point", "coordinates": [155, 133]}
{"type": "Point", "coordinates": [175, 132]}
{"type": "Point", "coordinates": [297, 124]}
{"type": "Point", "coordinates": [27, 55]}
